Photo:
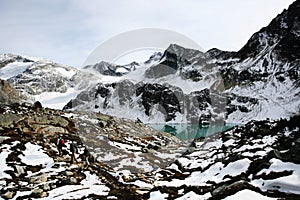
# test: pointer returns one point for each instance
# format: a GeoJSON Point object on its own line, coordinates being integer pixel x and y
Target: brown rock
{"type": "Point", "coordinates": [8, 195]}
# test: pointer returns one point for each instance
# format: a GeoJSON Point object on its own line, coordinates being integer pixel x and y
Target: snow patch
{"type": "Point", "coordinates": [3, 166]}
{"type": "Point", "coordinates": [56, 100]}
{"type": "Point", "coordinates": [34, 155]}
{"type": "Point", "coordinates": [13, 69]}
{"type": "Point", "coordinates": [247, 195]}
{"type": "Point", "coordinates": [90, 185]}
{"type": "Point", "coordinates": [288, 184]}
{"type": "Point", "coordinates": [192, 195]}
{"type": "Point", "coordinates": [158, 195]}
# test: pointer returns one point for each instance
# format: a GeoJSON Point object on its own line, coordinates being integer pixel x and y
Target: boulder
{"type": "Point", "coordinates": [8, 195]}
{"type": "Point", "coordinates": [19, 170]}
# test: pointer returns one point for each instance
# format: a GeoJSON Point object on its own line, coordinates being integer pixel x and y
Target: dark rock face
{"type": "Point", "coordinates": [168, 66]}
{"type": "Point", "coordinates": [102, 91]}
{"type": "Point", "coordinates": [166, 99]}
{"type": "Point", "coordinates": [221, 55]}
{"type": "Point", "coordinates": [154, 58]}
{"type": "Point", "coordinates": [195, 103]}
{"type": "Point", "coordinates": [157, 94]}
{"type": "Point", "coordinates": [161, 70]}
{"type": "Point", "coordinates": [177, 59]}
{"type": "Point", "coordinates": [192, 74]}
{"type": "Point", "coordinates": [241, 103]}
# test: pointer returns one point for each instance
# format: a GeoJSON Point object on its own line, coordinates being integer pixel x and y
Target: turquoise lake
{"type": "Point", "coordinates": [191, 131]}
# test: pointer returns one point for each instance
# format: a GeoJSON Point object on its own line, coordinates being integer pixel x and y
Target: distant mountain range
{"type": "Point", "coordinates": [259, 81]}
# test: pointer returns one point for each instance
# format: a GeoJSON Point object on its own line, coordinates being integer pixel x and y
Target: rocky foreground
{"type": "Point", "coordinates": [133, 161]}
{"type": "Point", "coordinates": [31, 166]}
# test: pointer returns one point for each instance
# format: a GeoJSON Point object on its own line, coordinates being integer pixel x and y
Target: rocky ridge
{"type": "Point", "coordinates": [111, 69]}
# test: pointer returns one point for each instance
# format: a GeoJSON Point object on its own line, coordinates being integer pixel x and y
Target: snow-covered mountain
{"type": "Point", "coordinates": [54, 84]}
{"type": "Point", "coordinates": [51, 83]}
{"type": "Point", "coordinates": [111, 69]}
{"type": "Point", "coordinates": [257, 82]}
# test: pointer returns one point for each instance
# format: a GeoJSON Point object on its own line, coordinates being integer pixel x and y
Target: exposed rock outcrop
{"type": "Point", "coordinates": [8, 94]}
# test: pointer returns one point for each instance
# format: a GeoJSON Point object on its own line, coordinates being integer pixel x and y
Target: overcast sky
{"type": "Point", "coordinates": [68, 31]}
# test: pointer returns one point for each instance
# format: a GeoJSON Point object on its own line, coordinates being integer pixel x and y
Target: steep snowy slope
{"type": "Point", "coordinates": [267, 69]}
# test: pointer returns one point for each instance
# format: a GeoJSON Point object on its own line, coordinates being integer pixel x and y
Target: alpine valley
{"type": "Point", "coordinates": [105, 107]}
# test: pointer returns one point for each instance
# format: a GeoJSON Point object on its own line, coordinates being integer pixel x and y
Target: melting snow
{"type": "Point", "coordinates": [288, 184]}
{"type": "Point", "coordinates": [34, 155]}
{"type": "Point", "coordinates": [90, 185]}
{"type": "Point", "coordinates": [3, 166]}
{"type": "Point", "coordinates": [215, 173]}
{"type": "Point", "coordinates": [5, 151]}
{"type": "Point", "coordinates": [158, 195]}
{"type": "Point", "coordinates": [192, 195]}
{"type": "Point", "coordinates": [67, 73]}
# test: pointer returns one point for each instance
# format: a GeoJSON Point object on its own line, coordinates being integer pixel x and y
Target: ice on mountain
{"type": "Point", "coordinates": [13, 69]}
{"type": "Point", "coordinates": [56, 100]}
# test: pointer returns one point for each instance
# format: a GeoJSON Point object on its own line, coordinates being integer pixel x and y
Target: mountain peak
{"type": "Point", "coordinates": [175, 48]}
{"type": "Point", "coordinates": [282, 34]}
